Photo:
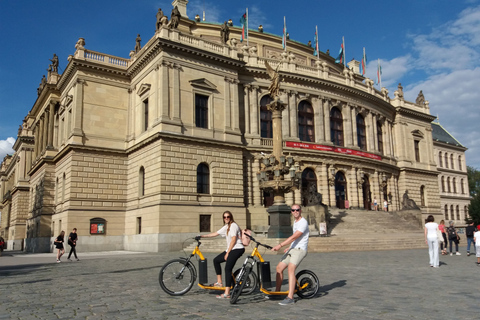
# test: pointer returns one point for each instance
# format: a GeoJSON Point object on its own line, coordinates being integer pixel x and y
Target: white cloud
{"type": "Point", "coordinates": [6, 147]}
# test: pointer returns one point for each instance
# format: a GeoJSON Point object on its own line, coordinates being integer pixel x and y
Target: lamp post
{"type": "Point", "coordinates": [276, 166]}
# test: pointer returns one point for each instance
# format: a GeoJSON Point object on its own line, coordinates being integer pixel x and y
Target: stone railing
{"type": "Point", "coordinates": [106, 59]}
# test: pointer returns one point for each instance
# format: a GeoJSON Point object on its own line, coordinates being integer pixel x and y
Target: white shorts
{"type": "Point", "coordinates": [477, 250]}
{"type": "Point", "coordinates": [294, 256]}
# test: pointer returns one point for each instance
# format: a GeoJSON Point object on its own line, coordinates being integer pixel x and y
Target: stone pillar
{"type": "Point", "coordinates": [176, 96]}
{"type": "Point", "coordinates": [131, 115]}
{"type": "Point", "coordinates": [331, 186]}
{"type": "Point", "coordinates": [347, 126]}
{"type": "Point", "coordinates": [319, 120]}
{"type": "Point", "coordinates": [375, 185]}
{"type": "Point", "coordinates": [368, 132]}
{"type": "Point", "coordinates": [51, 124]}
{"type": "Point", "coordinates": [322, 181]}
{"type": "Point", "coordinates": [297, 195]}
{"type": "Point", "coordinates": [292, 104]}
{"type": "Point", "coordinates": [235, 106]}
{"type": "Point", "coordinates": [354, 125]}
{"type": "Point", "coordinates": [290, 198]}
{"type": "Point", "coordinates": [375, 132]}
{"type": "Point", "coordinates": [41, 134]}
{"type": "Point", "coordinates": [77, 112]}
{"type": "Point", "coordinates": [246, 105]}
{"type": "Point", "coordinates": [164, 83]}
{"type": "Point", "coordinates": [257, 198]}
{"type": "Point", "coordinates": [326, 119]}
{"type": "Point", "coordinates": [228, 104]}
{"type": "Point", "coordinates": [357, 202]}
{"type": "Point", "coordinates": [35, 141]}
{"type": "Point", "coordinates": [255, 110]}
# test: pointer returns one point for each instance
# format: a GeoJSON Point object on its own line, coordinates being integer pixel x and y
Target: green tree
{"type": "Point", "coordinates": [474, 186]}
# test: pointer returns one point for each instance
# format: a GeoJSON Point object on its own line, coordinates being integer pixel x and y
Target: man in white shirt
{"type": "Point", "coordinates": [294, 254]}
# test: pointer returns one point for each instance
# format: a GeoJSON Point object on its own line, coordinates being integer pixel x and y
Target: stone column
{"type": "Point", "coordinates": [368, 132]}
{"type": "Point", "coordinates": [176, 96]}
{"type": "Point", "coordinates": [347, 126]}
{"type": "Point", "coordinates": [131, 115]}
{"type": "Point", "coordinates": [235, 106]}
{"type": "Point", "coordinates": [322, 181]}
{"type": "Point", "coordinates": [319, 120]}
{"type": "Point", "coordinates": [293, 114]}
{"type": "Point", "coordinates": [246, 104]}
{"type": "Point", "coordinates": [297, 195]}
{"type": "Point", "coordinates": [255, 110]}
{"type": "Point", "coordinates": [326, 120]}
{"type": "Point", "coordinates": [41, 134]}
{"type": "Point", "coordinates": [257, 199]}
{"type": "Point", "coordinates": [77, 110]}
{"type": "Point", "coordinates": [35, 141]}
{"type": "Point", "coordinates": [331, 199]}
{"type": "Point", "coordinates": [375, 132]}
{"type": "Point", "coordinates": [375, 185]}
{"type": "Point", "coordinates": [227, 108]}
{"type": "Point", "coordinates": [164, 84]}
{"type": "Point", "coordinates": [51, 125]}
{"type": "Point", "coordinates": [354, 125]}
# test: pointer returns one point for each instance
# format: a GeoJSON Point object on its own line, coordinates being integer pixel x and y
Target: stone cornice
{"type": "Point", "coordinates": [416, 114]}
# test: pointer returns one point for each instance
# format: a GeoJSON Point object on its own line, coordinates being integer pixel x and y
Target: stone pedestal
{"type": "Point", "coordinates": [280, 225]}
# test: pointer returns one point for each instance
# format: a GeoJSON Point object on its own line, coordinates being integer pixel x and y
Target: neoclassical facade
{"type": "Point", "coordinates": [453, 177]}
{"type": "Point", "coordinates": [140, 153]}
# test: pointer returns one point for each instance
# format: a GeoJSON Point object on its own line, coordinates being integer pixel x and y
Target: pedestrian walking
{"type": "Point", "coordinates": [441, 227]}
{"type": "Point", "coordinates": [453, 237]}
{"type": "Point", "coordinates": [59, 245]}
{"type": "Point", "coordinates": [469, 231]}
{"type": "Point", "coordinates": [72, 242]}
{"type": "Point", "coordinates": [432, 240]}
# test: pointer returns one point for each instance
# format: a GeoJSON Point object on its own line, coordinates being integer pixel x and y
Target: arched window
{"type": "Point", "coordinates": [305, 122]}
{"type": "Point", "coordinates": [462, 186]}
{"type": "Point", "coordinates": [361, 134]}
{"type": "Point", "coordinates": [452, 166]}
{"type": "Point", "coordinates": [266, 127]}
{"type": "Point", "coordinates": [458, 212]}
{"type": "Point", "coordinates": [203, 178]}
{"type": "Point", "coordinates": [443, 184]}
{"type": "Point", "coordinates": [448, 185]}
{"type": "Point", "coordinates": [379, 137]}
{"type": "Point", "coordinates": [141, 182]}
{"type": "Point", "coordinates": [336, 126]}
{"type": "Point", "coordinates": [465, 211]}
{"type": "Point", "coordinates": [422, 196]}
{"type": "Point", "coordinates": [452, 213]}
{"type": "Point", "coordinates": [446, 212]}
{"type": "Point", "coordinates": [440, 162]}
{"type": "Point", "coordinates": [454, 183]}
{"type": "Point", "coordinates": [460, 163]}
{"type": "Point", "coordinates": [446, 160]}
{"type": "Point", "coordinates": [309, 187]}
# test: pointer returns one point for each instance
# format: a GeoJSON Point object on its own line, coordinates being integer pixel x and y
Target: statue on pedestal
{"type": "Point", "coordinates": [274, 87]}
{"type": "Point", "coordinates": [174, 18]}
{"type": "Point", "coordinates": [224, 32]}
{"type": "Point", "coordinates": [54, 64]}
{"type": "Point", "coordinates": [137, 43]}
{"type": "Point", "coordinates": [420, 99]}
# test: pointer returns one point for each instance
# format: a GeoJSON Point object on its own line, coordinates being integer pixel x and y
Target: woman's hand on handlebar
{"type": "Point", "coordinates": [197, 238]}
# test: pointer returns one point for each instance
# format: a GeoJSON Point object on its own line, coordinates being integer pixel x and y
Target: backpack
{"type": "Point", "coordinates": [246, 239]}
{"type": "Point", "coordinates": [469, 231]}
{"type": "Point", "coordinates": [451, 233]}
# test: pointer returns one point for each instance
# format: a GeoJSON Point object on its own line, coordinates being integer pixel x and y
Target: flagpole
{"type": "Point", "coordinates": [364, 62]}
{"type": "Point", "coordinates": [344, 55]}
{"type": "Point", "coordinates": [247, 27]}
{"type": "Point", "coordinates": [316, 41]}
{"type": "Point", "coordinates": [285, 32]}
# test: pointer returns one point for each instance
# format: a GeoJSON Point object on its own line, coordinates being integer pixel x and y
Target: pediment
{"type": "Point", "coordinates": [144, 88]}
{"type": "Point", "coordinates": [418, 133]}
{"type": "Point", "coordinates": [203, 84]}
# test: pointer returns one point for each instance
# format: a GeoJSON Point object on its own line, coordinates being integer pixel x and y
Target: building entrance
{"type": "Point", "coordinates": [340, 190]}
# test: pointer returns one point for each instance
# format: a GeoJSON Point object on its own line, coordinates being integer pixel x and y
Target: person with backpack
{"type": "Point", "coordinates": [235, 249]}
{"type": "Point", "coordinates": [453, 237]}
{"type": "Point", "coordinates": [469, 231]}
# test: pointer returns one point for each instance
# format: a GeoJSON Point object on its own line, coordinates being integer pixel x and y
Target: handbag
{"type": "Point", "coordinates": [439, 235]}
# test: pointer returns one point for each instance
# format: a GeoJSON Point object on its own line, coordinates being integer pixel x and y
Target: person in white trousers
{"type": "Point", "coordinates": [432, 241]}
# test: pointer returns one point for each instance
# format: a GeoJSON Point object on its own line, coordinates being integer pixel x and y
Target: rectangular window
{"type": "Point", "coordinates": [201, 111]}
{"type": "Point", "coordinates": [205, 222]}
{"type": "Point", "coordinates": [145, 115]}
{"type": "Point", "coordinates": [139, 225]}
{"type": "Point", "coordinates": [417, 150]}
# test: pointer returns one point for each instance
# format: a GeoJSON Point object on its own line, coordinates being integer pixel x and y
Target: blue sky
{"type": "Point", "coordinates": [429, 45]}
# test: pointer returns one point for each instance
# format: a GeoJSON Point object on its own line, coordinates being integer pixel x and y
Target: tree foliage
{"type": "Point", "coordinates": [474, 186]}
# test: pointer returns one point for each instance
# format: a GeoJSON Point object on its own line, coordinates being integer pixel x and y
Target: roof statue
{"type": "Point", "coordinates": [400, 90]}
{"type": "Point", "coordinates": [274, 87]}
{"type": "Point", "coordinates": [174, 18]}
{"type": "Point", "coordinates": [225, 32]}
{"type": "Point", "coordinates": [138, 46]}
{"type": "Point", "coordinates": [54, 64]}
{"type": "Point", "coordinates": [420, 99]}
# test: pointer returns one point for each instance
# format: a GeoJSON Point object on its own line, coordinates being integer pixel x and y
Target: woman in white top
{"type": "Point", "coordinates": [432, 241]}
{"type": "Point", "coordinates": [235, 249]}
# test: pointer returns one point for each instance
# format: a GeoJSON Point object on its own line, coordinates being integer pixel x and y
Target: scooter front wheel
{"type": "Point", "coordinates": [177, 277]}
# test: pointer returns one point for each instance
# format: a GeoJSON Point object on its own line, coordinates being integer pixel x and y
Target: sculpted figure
{"type": "Point", "coordinates": [54, 63]}
{"type": "Point", "coordinates": [159, 18]}
{"type": "Point", "coordinates": [137, 43]}
{"type": "Point", "coordinates": [420, 99]}
{"type": "Point", "coordinates": [174, 18]}
{"type": "Point", "coordinates": [274, 87]}
{"type": "Point", "coordinates": [400, 90]}
{"type": "Point", "coordinates": [408, 203]}
{"type": "Point", "coordinates": [224, 32]}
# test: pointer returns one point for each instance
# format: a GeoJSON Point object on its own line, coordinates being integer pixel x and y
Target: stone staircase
{"type": "Point", "coordinates": [350, 230]}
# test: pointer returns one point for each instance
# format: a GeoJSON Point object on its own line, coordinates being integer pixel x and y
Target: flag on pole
{"type": "Point", "coordinates": [284, 40]}
{"type": "Point", "coordinates": [364, 63]}
{"type": "Point", "coordinates": [244, 23]}
{"type": "Point", "coordinates": [379, 73]}
{"type": "Point", "coordinates": [315, 52]}
{"type": "Point", "coordinates": [341, 53]}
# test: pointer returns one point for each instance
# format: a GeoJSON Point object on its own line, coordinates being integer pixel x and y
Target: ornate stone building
{"type": "Point", "coordinates": [140, 153]}
{"type": "Point", "coordinates": [453, 178]}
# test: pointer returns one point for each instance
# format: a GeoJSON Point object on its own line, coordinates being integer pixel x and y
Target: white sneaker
{"type": "Point", "coordinates": [451, 254]}
{"type": "Point", "coordinates": [458, 254]}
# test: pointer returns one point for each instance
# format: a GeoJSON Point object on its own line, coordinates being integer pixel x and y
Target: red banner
{"type": "Point", "coordinates": [302, 145]}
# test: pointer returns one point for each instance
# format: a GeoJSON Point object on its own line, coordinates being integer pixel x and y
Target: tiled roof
{"type": "Point", "coordinates": [440, 134]}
